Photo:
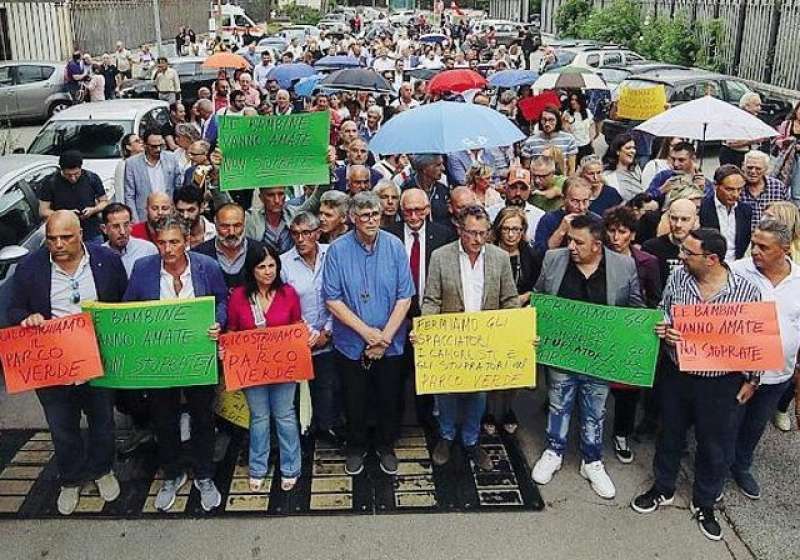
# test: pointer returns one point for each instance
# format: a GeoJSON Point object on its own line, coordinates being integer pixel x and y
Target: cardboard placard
{"type": "Point", "coordinates": [640, 104]}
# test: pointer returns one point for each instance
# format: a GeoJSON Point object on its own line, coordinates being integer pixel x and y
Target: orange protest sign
{"type": "Point", "coordinates": [728, 337]}
{"type": "Point", "coordinates": [60, 352]}
{"type": "Point", "coordinates": [264, 356]}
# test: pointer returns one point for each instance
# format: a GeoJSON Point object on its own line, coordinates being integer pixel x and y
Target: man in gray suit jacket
{"type": "Point", "coordinates": [484, 281]}
{"type": "Point", "coordinates": [585, 270]}
{"type": "Point", "coordinates": [154, 170]}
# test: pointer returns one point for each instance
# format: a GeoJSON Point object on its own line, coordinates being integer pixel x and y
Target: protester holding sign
{"type": "Point", "coordinates": [778, 278]}
{"type": "Point", "coordinates": [176, 274]}
{"type": "Point", "coordinates": [485, 282]}
{"type": "Point", "coordinates": [705, 399]}
{"type": "Point", "coordinates": [50, 283]}
{"type": "Point", "coordinates": [265, 300]}
{"type": "Point", "coordinates": [584, 271]}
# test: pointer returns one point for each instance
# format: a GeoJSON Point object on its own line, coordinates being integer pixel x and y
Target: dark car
{"type": "Point", "coordinates": [190, 72]}
{"type": "Point", "coordinates": [688, 84]}
{"type": "Point", "coordinates": [615, 74]}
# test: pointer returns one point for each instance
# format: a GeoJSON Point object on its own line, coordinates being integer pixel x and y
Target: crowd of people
{"type": "Point", "coordinates": [393, 237]}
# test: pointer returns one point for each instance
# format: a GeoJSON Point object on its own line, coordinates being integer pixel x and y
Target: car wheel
{"type": "Point", "coordinates": [57, 107]}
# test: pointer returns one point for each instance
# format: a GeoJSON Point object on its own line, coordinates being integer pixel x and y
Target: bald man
{"type": "Point", "coordinates": [159, 206]}
{"type": "Point", "coordinates": [421, 238]}
{"type": "Point", "coordinates": [683, 217]}
{"type": "Point", "coordinates": [50, 283]}
{"type": "Point", "coordinates": [460, 198]}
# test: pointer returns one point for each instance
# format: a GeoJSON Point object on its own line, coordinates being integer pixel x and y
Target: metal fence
{"type": "Point", "coordinates": [759, 40]}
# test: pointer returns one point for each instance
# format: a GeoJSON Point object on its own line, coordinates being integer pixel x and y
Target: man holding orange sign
{"type": "Point", "coordinates": [49, 284]}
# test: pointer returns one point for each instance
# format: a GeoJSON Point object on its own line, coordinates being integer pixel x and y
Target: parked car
{"type": "Point", "coordinates": [299, 32]}
{"type": "Point", "coordinates": [402, 17]}
{"type": "Point", "coordinates": [617, 73]}
{"type": "Point", "coordinates": [275, 43]}
{"type": "Point", "coordinates": [505, 31]}
{"type": "Point", "coordinates": [21, 229]}
{"type": "Point", "coordinates": [95, 130]}
{"type": "Point", "coordinates": [32, 89]}
{"type": "Point", "coordinates": [190, 72]}
{"type": "Point", "coordinates": [684, 85]}
{"type": "Point", "coordinates": [590, 56]}
{"type": "Point", "coordinates": [335, 23]}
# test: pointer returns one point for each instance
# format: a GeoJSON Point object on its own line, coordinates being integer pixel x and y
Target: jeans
{"type": "Point", "coordinates": [165, 408]}
{"type": "Point", "coordinates": [277, 401]}
{"type": "Point", "coordinates": [471, 406]}
{"type": "Point", "coordinates": [749, 422]}
{"type": "Point", "coordinates": [376, 389]}
{"type": "Point", "coordinates": [563, 390]}
{"type": "Point", "coordinates": [62, 408]}
{"type": "Point", "coordinates": [709, 403]}
{"type": "Point", "coordinates": [326, 392]}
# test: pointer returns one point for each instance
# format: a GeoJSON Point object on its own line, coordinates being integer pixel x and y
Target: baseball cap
{"type": "Point", "coordinates": [519, 175]}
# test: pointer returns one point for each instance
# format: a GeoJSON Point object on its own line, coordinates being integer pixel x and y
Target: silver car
{"type": "Point", "coordinates": [21, 230]}
{"type": "Point", "coordinates": [32, 89]}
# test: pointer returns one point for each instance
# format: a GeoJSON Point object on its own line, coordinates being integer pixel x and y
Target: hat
{"type": "Point", "coordinates": [519, 175]}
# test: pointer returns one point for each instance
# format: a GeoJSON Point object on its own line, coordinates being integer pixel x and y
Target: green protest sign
{"type": "Point", "coordinates": [280, 150]}
{"type": "Point", "coordinates": [612, 343]}
{"type": "Point", "coordinates": [155, 344]}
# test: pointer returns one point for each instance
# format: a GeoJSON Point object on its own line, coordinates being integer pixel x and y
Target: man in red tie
{"type": "Point", "coordinates": [421, 237]}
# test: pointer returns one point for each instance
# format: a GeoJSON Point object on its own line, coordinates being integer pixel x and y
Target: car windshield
{"type": "Point", "coordinates": [94, 140]}
{"type": "Point", "coordinates": [613, 75]}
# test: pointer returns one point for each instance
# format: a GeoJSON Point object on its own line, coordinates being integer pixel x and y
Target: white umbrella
{"type": "Point", "coordinates": [707, 118]}
{"type": "Point", "coordinates": [569, 77]}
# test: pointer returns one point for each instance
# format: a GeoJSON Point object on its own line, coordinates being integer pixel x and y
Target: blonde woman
{"type": "Point", "coordinates": [479, 178]}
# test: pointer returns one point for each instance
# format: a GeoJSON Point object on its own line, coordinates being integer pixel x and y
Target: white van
{"type": "Point", "coordinates": [226, 19]}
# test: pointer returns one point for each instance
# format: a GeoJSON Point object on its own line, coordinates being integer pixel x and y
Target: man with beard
{"type": "Point", "coordinates": [188, 206]}
{"type": "Point", "coordinates": [159, 206]}
{"type": "Point", "coordinates": [230, 247]}
{"type": "Point", "coordinates": [551, 233]}
{"type": "Point", "coordinates": [518, 191]}
{"type": "Point", "coordinates": [117, 228]}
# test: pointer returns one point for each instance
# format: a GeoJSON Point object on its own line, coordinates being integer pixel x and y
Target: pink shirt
{"type": "Point", "coordinates": [285, 309]}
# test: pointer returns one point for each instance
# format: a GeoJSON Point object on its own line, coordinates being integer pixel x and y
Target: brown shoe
{"type": "Point", "coordinates": [441, 453]}
{"type": "Point", "coordinates": [479, 457]}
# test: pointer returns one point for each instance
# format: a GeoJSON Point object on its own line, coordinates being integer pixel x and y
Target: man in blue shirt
{"type": "Point", "coordinates": [551, 233]}
{"type": "Point", "coordinates": [367, 286]}
{"type": "Point", "coordinates": [682, 161]}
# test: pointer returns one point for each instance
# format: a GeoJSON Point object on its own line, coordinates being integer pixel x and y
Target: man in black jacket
{"type": "Point", "coordinates": [721, 211]}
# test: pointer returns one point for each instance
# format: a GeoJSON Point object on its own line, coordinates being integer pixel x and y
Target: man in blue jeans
{"type": "Point", "coordinates": [586, 271]}
{"type": "Point", "coordinates": [778, 278]}
{"type": "Point", "coordinates": [484, 281]}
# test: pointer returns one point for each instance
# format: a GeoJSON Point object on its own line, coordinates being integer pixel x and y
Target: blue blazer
{"type": "Point", "coordinates": [743, 213]}
{"type": "Point", "coordinates": [207, 280]}
{"type": "Point", "coordinates": [137, 182]}
{"type": "Point", "coordinates": [30, 289]}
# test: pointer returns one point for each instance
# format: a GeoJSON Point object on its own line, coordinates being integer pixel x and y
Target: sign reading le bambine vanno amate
{"type": "Point", "coordinates": [155, 344]}
{"type": "Point", "coordinates": [274, 151]}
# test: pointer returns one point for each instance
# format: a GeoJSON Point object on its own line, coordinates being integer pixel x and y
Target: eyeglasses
{"type": "Point", "coordinates": [367, 216]}
{"type": "Point", "coordinates": [303, 233]}
{"type": "Point", "coordinates": [475, 233]}
{"type": "Point", "coordinates": [75, 297]}
{"type": "Point", "coordinates": [509, 229]}
{"type": "Point", "coordinates": [688, 253]}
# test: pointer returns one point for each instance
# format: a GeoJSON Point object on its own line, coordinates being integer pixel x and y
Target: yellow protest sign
{"type": "Point", "coordinates": [232, 406]}
{"type": "Point", "coordinates": [640, 104]}
{"type": "Point", "coordinates": [468, 352]}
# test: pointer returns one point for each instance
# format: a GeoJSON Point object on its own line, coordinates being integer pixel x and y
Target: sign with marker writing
{"type": "Point", "coordinates": [612, 343]}
{"type": "Point", "coordinates": [155, 344]}
{"type": "Point", "coordinates": [728, 337]}
{"type": "Point", "coordinates": [641, 104]}
{"type": "Point", "coordinates": [265, 356]}
{"type": "Point", "coordinates": [274, 151]}
{"type": "Point", "coordinates": [60, 352]}
{"type": "Point", "coordinates": [232, 406]}
{"type": "Point", "coordinates": [469, 352]}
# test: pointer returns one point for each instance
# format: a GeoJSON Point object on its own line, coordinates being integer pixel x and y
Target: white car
{"type": "Point", "coordinates": [95, 130]}
{"type": "Point", "coordinates": [595, 57]}
{"type": "Point", "coordinates": [402, 17]}
{"type": "Point", "coordinates": [334, 23]}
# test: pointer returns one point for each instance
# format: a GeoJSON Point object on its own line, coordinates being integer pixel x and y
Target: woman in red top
{"type": "Point", "coordinates": [265, 301]}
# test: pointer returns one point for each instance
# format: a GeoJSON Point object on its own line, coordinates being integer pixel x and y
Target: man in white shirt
{"type": "Point", "coordinates": [721, 210]}
{"type": "Point", "coordinates": [117, 228]}
{"type": "Point", "coordinates": [406, 98]}
{"type": "Point", "coordinates": [778, 278]}
{"type": "Point", "coordinates": [261, 70]}
{"type": "Point", "coordinates": [383, 63]}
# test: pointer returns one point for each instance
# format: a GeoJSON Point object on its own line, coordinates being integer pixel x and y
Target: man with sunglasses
{"type": "Point", "coordinates": [155, 170]}
{"type": "Point", "coordinates": [48, 284]}
{"type": "Point", "coordinates": [708, 400]}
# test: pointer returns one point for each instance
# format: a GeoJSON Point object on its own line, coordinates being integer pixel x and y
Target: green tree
{"type": "Point", "coordinates": [570, 17]}
{"type": "Point", "coordinates": [619, 23]}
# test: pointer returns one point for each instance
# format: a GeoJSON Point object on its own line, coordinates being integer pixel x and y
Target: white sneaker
{"type": "Point", "coordinates": [186, 429]}
{"type": "Point", "coordinates": [782, 421]}
{"type": "Point", "coordinates": [601, 483]}
{"type": "Point", "coordinates": [68, 499]}
{"type": "Point", "coordinates": [546, 467]}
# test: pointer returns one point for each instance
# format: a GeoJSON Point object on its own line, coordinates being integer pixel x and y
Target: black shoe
{"type": "Point", "coordinates": [479, 457]}
{"type": "Point", "coordinates": [354, 463]}
{"type": "Point", "coordinates": [441, 453]}
{"type": "Point", "coordinates": [651, 501]}
{"type": "Point", "coordinates": [622, 449]}
{"type": "Point", "coordinates": [707, 522]}
{"type": "Point", "coordinates": [330, 436]}
{"type": "Point", "coordinates": [134, 441]}
{"type": "Point", "coordinates": [747, 484]}
{"type": "Point", "coordinates": [388, 461]}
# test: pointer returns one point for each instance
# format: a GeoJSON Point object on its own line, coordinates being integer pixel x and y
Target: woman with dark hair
{"type": "Point", "coordinates": [129, 146]}
{"type": "Point", "coordinates": [509, 233]}
{"type": "Point", "coordinates": [580, 123]}
{"type": "Point", "coordinates": [622, 172]}
{"type": "Point", "coordinates": [621, 223]}
{"type": "Point", "coordinates": [266, 301]}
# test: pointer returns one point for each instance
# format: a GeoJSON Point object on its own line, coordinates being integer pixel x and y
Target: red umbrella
{"type": "Point", "coordinates": [456, 81]}
{"type": "Point", "coordinates": [531, 107]}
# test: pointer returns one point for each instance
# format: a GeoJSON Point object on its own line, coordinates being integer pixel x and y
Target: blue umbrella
{"type": "Point", "coordinates": [433, 38]}
{"type": "Point", "coordinates": [444, 127]}
{"type": "Point", "coordinates": [337, 62]}
{"type": "Point", "coordinates": [285, 74]}
{"type": "Point", "coordinates": [304, 87]}
{"type": "Point", "coordinates": [512, 78]}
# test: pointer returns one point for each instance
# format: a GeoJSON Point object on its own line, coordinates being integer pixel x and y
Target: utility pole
{"type": "Point", "coordinates": [157, 17]}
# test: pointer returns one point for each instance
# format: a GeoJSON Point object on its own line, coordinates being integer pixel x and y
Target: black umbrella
{"type": "Point", "coordinates": [422, 73]}
{"type": "Point", "coordinates": [357, 79]}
